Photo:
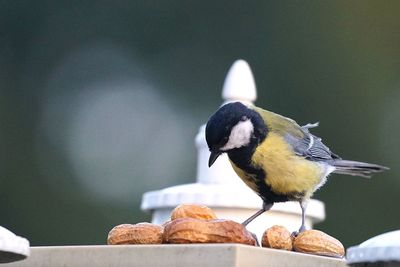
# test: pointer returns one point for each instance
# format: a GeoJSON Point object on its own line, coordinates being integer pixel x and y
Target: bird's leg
{"type": "Point", "coordinates": [266, 206]}
{"type": "Point", "coordinates": [303, 205]}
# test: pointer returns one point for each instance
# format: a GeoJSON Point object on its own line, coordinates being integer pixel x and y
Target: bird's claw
{"type": "Point", "coordinates": [255, 238]}
{"type": "Point", "coordinates": [296, 233]}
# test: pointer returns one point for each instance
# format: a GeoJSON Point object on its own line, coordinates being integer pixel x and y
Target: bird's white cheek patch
{"type": "Point", "coordinates": [240, 135]}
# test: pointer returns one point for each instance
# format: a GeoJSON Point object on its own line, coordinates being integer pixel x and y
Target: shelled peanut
{"type": "Point", "coordinates": [195, 211]}
{"type": "Point", "coordinates": [277, 237]}
{"type": "Point", "coordinates": [318, 243]}
{"type": "Point", "coordinates": [198, 224]}
{"type": "Point", "coordinates": [141, 233]}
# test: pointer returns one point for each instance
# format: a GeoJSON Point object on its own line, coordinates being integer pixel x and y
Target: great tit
{"type": "Point", "coordinates": [278, 159]}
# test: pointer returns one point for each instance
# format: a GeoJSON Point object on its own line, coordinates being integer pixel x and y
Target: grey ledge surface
{"type": "Point", "coordinates": [193, 255]}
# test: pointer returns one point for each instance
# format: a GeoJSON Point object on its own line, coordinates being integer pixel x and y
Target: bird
{"type": "Point", "coordinates": [274, 156]}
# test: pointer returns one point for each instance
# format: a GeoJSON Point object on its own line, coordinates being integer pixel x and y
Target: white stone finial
{"type": "Point", "coordinates": [239, 83]}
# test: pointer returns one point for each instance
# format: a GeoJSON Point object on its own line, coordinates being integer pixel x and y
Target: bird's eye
{"type": "Point", "coordinates": [223, 141]}
{"type": "Point", "coordinates": [243, 118]}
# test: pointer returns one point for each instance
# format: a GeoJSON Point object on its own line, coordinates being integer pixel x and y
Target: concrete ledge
{"type": "Point", "coordinates": [221, 255]}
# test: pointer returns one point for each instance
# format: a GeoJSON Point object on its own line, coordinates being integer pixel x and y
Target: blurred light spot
{"type": "Point", "coordinates": [114, 134]}
{"type": "Point", "coordinates": [122, 138]}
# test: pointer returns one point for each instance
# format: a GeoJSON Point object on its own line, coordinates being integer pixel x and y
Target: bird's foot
{"type": "Point", "coordinates": [255, 238]}
{"type": "Point", "coordinates": [296, 233]}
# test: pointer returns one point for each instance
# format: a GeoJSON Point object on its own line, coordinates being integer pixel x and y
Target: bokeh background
{"type": "Point", "coordinates": [100, 102]}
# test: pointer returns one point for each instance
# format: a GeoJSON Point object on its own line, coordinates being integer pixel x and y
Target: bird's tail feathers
{"type": "Point", "coordinates": [357, 168]}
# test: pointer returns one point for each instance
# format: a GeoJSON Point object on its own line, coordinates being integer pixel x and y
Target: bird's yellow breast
{"type": "Point", "coordinates": [286, 173]}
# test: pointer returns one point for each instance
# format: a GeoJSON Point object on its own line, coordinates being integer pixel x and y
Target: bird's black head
{"type": "Point", "coordinates": [233, 126]}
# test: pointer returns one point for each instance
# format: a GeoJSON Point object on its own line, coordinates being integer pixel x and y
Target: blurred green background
{"type": "Point", "coordinates": [100, 102]}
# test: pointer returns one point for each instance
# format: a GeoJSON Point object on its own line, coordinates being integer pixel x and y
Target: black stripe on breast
{"type": "Point", "coordinates": [242, 159]}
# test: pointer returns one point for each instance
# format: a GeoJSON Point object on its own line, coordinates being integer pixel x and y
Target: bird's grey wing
{"type": "Point", "coordinates": [299, 137]}
{"type": "Point", "coordinates": [310, 146]}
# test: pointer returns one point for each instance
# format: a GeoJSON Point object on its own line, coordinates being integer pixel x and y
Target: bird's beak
{"type": "Point", "coordinates": [213, 157]}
